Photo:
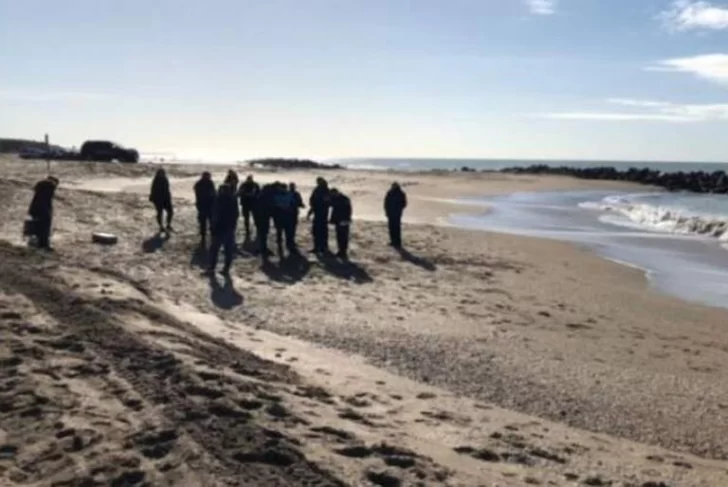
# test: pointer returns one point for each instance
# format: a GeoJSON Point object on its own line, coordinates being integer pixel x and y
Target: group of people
{"type": "Point", "coordinates": [220, 209]}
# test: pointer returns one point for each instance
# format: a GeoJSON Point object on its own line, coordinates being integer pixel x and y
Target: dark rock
{"type": "Point", "coordinates": [694, 181]}
{"type": "Point", "coordinates": [280, 163]}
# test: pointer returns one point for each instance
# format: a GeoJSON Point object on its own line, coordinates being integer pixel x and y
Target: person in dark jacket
{"type": "Point", "coordinates": [341, 213]}
{"type": "Point", "coordinates": [296, 204]}
{"type": "Point", "coordinates": [264, 212]}
{"type": "Point", "coordinates": [318, 205]}
{"type": "Point", "coordinates": [224, 222]}
{"type": "Point", "coordinates": [394, 204]}
{"type": "Point", "coordinates": [161, 196]}
{"type": "Point", "coordinates": [41, 210]}
{"type": "Point", "coordinates": [204, 201]}
{"type": "Point", "coordinates": [282, 202]}
{"type": "Point", "coordinates": [231, 179]}
{"type": "Point", "coordinates": [247, 194]}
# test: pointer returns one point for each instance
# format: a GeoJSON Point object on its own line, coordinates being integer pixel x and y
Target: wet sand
{"type": "Point", "coordinates": [471, 359]}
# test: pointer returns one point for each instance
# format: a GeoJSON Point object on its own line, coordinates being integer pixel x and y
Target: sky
{"type": "Point", "coordinates": [237, 79]}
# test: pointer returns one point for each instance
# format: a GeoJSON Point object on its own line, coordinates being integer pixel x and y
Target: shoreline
{"type": "Point", "coordinates": [495, 326]}
{"type": "Point", "coordinates": [691, 267]}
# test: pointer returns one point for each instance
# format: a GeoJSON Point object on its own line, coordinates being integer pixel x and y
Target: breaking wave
{"type": "Point", "coordinates": [657, 212]}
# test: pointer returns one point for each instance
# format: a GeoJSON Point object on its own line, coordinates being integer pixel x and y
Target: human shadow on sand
{"type": "Point", "coordinates": [200, 257]}
{"type": "Point", "coordinates": [225, 296]}
{"type": "Point", "coordinates": [154, 243]}
{"type": "Point", "coordinates": [344, 269]}
{"type": "Point", "coordinates": [416, 260]}
{"type": "Point", "coordinates": [290, 269]}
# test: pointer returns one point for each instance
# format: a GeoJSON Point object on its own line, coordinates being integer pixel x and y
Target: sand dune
{"type": "Point", "coordinates": [471, 359]}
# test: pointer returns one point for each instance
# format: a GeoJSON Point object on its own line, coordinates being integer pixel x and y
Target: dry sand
{"type": "Point", "coordinates": [471, 359]}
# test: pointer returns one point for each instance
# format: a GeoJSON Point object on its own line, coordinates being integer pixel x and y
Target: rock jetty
{"type": "Point", "coordinates": [278, 163]}
{"type": "Point", "coordinates": [693, 181]}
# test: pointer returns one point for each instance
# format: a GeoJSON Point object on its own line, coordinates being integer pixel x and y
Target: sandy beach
{"type": "Point", "coordinates": [472, 358]}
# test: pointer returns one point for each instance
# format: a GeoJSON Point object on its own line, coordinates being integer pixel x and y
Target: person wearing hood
{"type": "Point", "coordinates": [204, 201]}
{"type": "Point", "coordinates": [247, 194]}
{"type": "Point", "coordinates": [394, 204]}
{"type": "Point", "coordinates": [319, 205]}
{"type": "Point", "coordinates": [161, 196]}
{"type": "Point", "coordinates": [224, 222]}
{"type": "Point", "coordinates": [41, 210]}
{"type": "Point", "coordinates": [341, 213]}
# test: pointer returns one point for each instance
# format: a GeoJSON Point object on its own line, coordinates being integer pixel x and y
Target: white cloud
{"type": "Point", "coordinates": [542, 7]}
{"type": "Point", "coordinates": [649, 111]}
{"type": "Point", "coordinates": [686, 15]}
{"type": "Point", "coordinates": [615, 117]}
{"type": "Point", "coordinates": [628, 102]}
{"type": "Point", "coordinates": [712, 67]}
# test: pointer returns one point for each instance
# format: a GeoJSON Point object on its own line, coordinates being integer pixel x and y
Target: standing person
{"type": "Point", "coordinates": [341, 213]}
{"type": "Point", "coordinates": [264, 211]}
{"type": "Point", "coordinates": [282, 202]}
{"type": "Point", "coordinates": [394, 204]}
{"type": "Point", "coordinates": [204, 201]}
{"type": "Point", "coordinates": [248, 193]}
{"type": "Point", "coordinates": [319, 204]}
{"type": "Point", "coordinates": [296, 205]}
{"type": "Point", "coordinates": [41, 210]}
{"type": "Point", "coordinates": [224, 221]}
{"type": "Point", "coordinates": [231, 179]}
{"type": "Point", "coordinates": [161, 196]}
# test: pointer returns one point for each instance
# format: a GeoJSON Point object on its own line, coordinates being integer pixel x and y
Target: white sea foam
{"type": "Point", "coordinates": [632, 210]}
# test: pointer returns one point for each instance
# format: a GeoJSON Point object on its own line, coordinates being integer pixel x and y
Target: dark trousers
{"type": "Point", "coordinates": [320, 230]}
{"type": "Point", "coordinates": [342, 240]}
{"type": "Point", "coordinates": [165, 206]}
{"type": "Point", "coordinates": [226, 240]}
{"type": "Point", "coordinates": [262, 227]}
{"type": "Point", "coordinates": [43, 231]}
{"type": "Point", "coordinates": [286, 228]}
{"type": "Point", "coordinates": [395, 231]}
{"type": "Point", "coordinates": [204, 218]}
{"type": "Point", "coordinates": [291, 233]}
{"type": "Point", "coordinates": [247, 214]}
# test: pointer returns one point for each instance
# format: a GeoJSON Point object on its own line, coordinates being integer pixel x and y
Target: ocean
{"type": "Point", "coordinates": [427, 164]}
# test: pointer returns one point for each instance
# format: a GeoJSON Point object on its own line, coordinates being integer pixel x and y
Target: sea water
{"type": "Point", "coordinates": [429, 164]}
{"type": "Point", "coordinates": [676, 238]}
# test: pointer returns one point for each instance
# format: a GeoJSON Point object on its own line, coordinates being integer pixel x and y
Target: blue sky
{"type": "Point", "coordinates": [233, 79]}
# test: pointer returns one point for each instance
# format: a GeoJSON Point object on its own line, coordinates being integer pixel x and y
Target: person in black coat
{"type": "Point", "coordinates": [295, 206]}
{"type": "Point", "coordinates": [319, 204]}
{"type": "Point", "coordinates": [264, 211]}
{"type": "Point", "coordinates": [161, 196]}
{"type": "Point", "coordinates": [224, 222]}
{"type": "Point", "coordinates": [41, 210]}
{"type": "Point", "coordinates": [394, 204]}
{"type": "Point", "coordinates": [204, 201]}
{"type": "Point", "coordinates": [247, 194]}
{"type": "Point", "coordinates": [231, 179]}
{"type": "Point", "coordinates": [341, 213]}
